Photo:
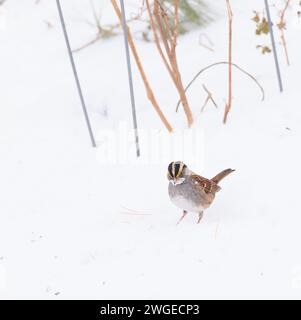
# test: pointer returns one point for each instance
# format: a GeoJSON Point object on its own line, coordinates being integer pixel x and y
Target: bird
{"type": "Point", "coordinates": [191, 192]}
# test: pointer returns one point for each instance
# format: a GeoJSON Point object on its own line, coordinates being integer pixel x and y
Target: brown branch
{"type": "Point", "coordinates": [169, 40]}
{"type": "Point", "coordinates": [158, 45]}
{"type": "Point", "coordinates": [175, 29]}
{"type": "Point", "coordinates": [149, 91]}
{"type": "Point", "coordinates": [167, 23]}
{"type": "Point", "coordinates": [157, 40]}
{"type": "Point", "coordinates": [156, 12]}
{"type": "Point", "coordinates": [229, 104]}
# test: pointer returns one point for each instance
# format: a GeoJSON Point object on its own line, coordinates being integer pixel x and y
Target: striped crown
{"type": "Point", "coordinates": [175, 169]}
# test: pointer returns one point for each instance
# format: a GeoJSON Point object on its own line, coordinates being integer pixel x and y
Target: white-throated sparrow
{"type": "Point", "coordinates": [191, 192]}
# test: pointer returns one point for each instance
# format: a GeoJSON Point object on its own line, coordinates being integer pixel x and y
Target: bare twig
{"type": "Point", "coordinates": [217, 64]}
{"type": "Point", "coordinates": [157, 41]}
{"type": "Point", "coordinates": [157, 10]}
{"type": "Point", "coordinates": [229, 103]}
{"type": "Point", "coordinates": [159, 19]}
{"type": "Point", "coordinates": [209, 97]}
{"type": "Point", "coordinates": [282, 26]}
{"type": "Point", "coordinates": [209, 46]}
{"type": "Point", "coordinates": [148, 88]}
{"type": "Point", "coordinates": [175, 29]}
{"type": "Point", "coordinates": [107, 30]}
{"type": "Point", "coordinates": [88, 44]}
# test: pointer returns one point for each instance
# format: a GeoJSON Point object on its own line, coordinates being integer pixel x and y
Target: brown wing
{"type": "Point", "coordinates": [208, 186]}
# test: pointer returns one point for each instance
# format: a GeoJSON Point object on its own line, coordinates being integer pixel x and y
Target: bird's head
{"type": "Point", "coordinates": [177, 172]}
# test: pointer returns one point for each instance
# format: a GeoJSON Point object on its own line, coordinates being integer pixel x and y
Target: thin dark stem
{"type": "Point", "coordinates": [76, 75]}
{"type": "Point", "coordinates": [131, 85]}
{"type": "Point", "coordinates": [274, 45]}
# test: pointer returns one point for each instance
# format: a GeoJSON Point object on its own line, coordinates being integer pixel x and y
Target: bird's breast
{"type": "Point", "coordinates": [185, 198]}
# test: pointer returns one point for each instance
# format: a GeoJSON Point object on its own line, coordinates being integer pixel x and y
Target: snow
{"type": "Point", "coordinates": [75, 226]}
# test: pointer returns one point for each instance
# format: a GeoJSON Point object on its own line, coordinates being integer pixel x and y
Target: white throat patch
{"type": "Point", "coordinates": [178, 181]}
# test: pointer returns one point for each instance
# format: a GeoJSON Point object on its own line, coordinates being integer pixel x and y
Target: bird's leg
{"type": "Point", "coordinates": [201, 214]}
{"type": "Point", "coordinates": [183, 216]}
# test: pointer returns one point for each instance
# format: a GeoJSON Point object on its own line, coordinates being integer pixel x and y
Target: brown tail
{"type": "Point", "coordinates": [222, 175]}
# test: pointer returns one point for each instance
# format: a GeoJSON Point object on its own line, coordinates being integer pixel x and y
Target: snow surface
{"type": "Point", "coordinates": [73, 227]}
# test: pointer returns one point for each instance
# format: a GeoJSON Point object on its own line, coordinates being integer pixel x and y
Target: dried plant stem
{"type": "Point", "coordinates": [209, 97]}
{"type": "Point", "coordinates": [88, 44]}
{"type": "Point", "coordinates": [176, 26]}
{"type": "Point", "coordinates": [157, 41]}
{"type": "Point", "coordinates": [229, 103]}
{"type": "Point", "coordinates": [217, 64]}
{"type": "Point", "coordinates": [281, 26]}
{"type": "Point", "coordinates": [159, 19]}
{"type": "Point", "coordinates": [165, 36]}
{"type": "Point", "coordinates": [105, 31]}
{"type": "Point", "coordinates": [209, 46]}
{"type": "Point", "coordinates": [148, 88]}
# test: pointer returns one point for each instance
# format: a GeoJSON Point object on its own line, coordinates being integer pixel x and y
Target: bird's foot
{"type": "Point", "coordinates": [201, 214]}
{"type": "Point", "coordinates": [183, 216]}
